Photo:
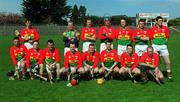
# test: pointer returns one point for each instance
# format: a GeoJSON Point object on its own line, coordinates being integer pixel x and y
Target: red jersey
{"type": "Point", "coordinates": [129, 61]}
{"type": "Point", "coordinates": [50, 57]}
{"type": "Point", "coordinates": [105, 30]}
{"type": "Point", "coordinates": [159, 35]}
{"type": "Point", "coordinates": [72, 60]}
{"type": "Point", "coordinates": [153, 60]}
{"type": "Point", "coordinates": [88, 33]}
{"type": "Point", "coordinates": [91, 59]}
{"type": "Point", "coordinates": [124, 36]}
{"type": "Point", "coordinates": [31, 33]}
{"type": "Point", "coordinates": [33, 57]}
{"type": "Point", "coordinates": [109, 57]}
{"type": "Point", "coordinates": [138, 33]}
{"type": "Point", "coordinates": [17, 53]}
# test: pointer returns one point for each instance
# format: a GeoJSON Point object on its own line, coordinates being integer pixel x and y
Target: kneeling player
{"type": "Point", "coordinates": [109, 60]}
{"type": "Point", "coordinates": [52, 58]}
{"type": "Point", "coordinates": [17, 53]}
{"type": "Point", "coordinates": [90, 59]}
{"type": "Point", "coordinates": [149, 62]}
{"type": "Point", "coordinates": [129, 62]}
{"type": "Point", "coordinates": [33, 59]}
{"type": "Point", "coordinates": [72, 62]}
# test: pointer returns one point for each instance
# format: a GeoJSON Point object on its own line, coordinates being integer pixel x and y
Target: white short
{"type": "Point", "coordinates": [85, 46]}
{"type": "Point", "coordinates": [103, 46]}
{"type": "Point", "coordinates": [72, 69]}
{"type": "Point", "coordinates": [121, 49]}
{"type": "Point", "coordinates": [161, 49]}
{"type": "Point", "coordinates": [28, 45]}
{"type": "Point", "coordinates": [140, 49]}
{"type": "Point", "coordinates": [52, 69]}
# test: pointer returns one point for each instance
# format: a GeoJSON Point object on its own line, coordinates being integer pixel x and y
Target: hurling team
{"type": "Point", "coordinates": [137, 57]}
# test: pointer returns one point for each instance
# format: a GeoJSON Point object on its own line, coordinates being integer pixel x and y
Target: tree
{"type": "Point", "coordinates": [82, 14]}
{"type": "Point", "coordinates": [75, 14]}
{"type": "Point", "coordinates": [45, 11]}
{"type": "Point", "coordinates": [58, 10]}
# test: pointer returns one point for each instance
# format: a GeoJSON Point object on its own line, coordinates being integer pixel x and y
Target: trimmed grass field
{"type": "Point", "coordinates": [86, 91]}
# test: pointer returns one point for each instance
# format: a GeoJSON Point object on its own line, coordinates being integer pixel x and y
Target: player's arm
{"type": "Point", "coordinates": [122, 61]}
{"type": "Point", "coordinates": [13, 57]}
{"type": "Point", "coordinates": [135, 64]}
{"type": "Point", "coordinates": [36, 35]}
{"type": "Point", "coordinates": [79, 61]}
{"type": "Point", "coordinates": [96, 61]}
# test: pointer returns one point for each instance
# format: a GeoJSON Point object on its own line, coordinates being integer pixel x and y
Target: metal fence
{"type": "Point", "coordinates": [53, 29]}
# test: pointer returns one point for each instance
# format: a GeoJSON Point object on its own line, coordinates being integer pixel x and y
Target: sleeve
{"type": "Point", "coordinates": [102, 57]}
{"type": "Point", "coordinates": [57, 56]}
{"type": "Point", "coordinates": [112, 36]}
{"type": "Point", "coordinates": [42, 56]}
{"type": "Point", "coordinates": [142, 59]}
{"type": "Point", "coordinates": [133, 35]}
{"type": "Point", "coordinates": [82, 34]}
{"type": "Point", "coordinates": [116, 56]}
{"type": "Point", "coordinates": [13, 56]}
{"type": "Point", "coordinates": [27, 57]}
{"type": "Point", "coordinates": [96, 60]}
{"type": "Point", "coordinates": [84, 56]}
{"type": "Point", "coordinates": [66, 64]}
{"type": "Point", "coordinates": [167, 32]}
{"type": "Point", "coordinates": [156, 61]}
{"type": "Point", "coordinates": [80, 61]}
{"type": "Point", "coordinates": [135, 62]}
{"type": "Point", "coordinates": [40, 61]}
{"type": "Point", "coordinates": [21, 35]}
{"type": "Point", "coordinates": [122, 61]}
{"type": "Point", "coordinates": [95, 33]}
{"type": "Point", "coordinates": [101, 36]}
{"type": "Point", "coordinates": [116, 34]}
{"type": "Point", "coordinates": [151, 33]}
{"type": "Point", "coordinates": [36, 35]}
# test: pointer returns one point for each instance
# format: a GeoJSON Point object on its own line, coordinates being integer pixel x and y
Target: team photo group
{"type": "Point", "coordinates": [137, 58]}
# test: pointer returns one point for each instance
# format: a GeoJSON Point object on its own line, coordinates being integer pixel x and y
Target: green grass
{"type": "Point", "coordinates": [86, 91]}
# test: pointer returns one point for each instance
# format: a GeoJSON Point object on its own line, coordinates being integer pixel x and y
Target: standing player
{"type": "Point", "coordinates": [29, 34]}
{"type": "Point", "coordinates": [52, 58]}
{"type": "Point", "coordinates": [72, 62]}
{"type": "Point", "coordinates": [109, 59]}
{"type": "Point", "coordinates": [141, 37]}
{"type": "Point", "coordinates": [88, 35]}
{"type": "Point", "coordinates": [160, 35]}
{"type": "Point", "coordinates": [70, 36]}
{"type": "Point", "coordinates": [123, 36]}
{"type": "Point", "coordinates": [129, 62]}
{"type": "Point", "coordinates": [150, 61]}
{"type": "Point", "coordinates": [90, 59]}
{"type": "Point", "coordinates": [17, 53]}
{"type": "Point", "coordinates": [33, 59]}
{"type": "Point", "coordinates": [106, 33]}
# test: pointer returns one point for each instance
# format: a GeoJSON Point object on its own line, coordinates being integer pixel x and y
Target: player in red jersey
{"type": "Point", "coordinates": [160, 35]}
{"type": "Point", "coordinates": [141, 37]}
{"type": "Point", "coordinates": [90, 59]}
{"type": "Point", "coordinates": [33, 59]}
{"type": "Point", "coordinates": [129, 63]}
{"type": "Point", "coordinates": [18, 53]}
{"type": "Point", "coordinates": [123, 36]}
{"type": "Point", "coordinates": [109, 60]}
{"type": "Point", "coordinates": [88, 35]}
{"type": "Point", "coordinates": [106, 33]}
{"type": "Point", "coordinates": [72, 62]}
{"type": "Point", "coordinates": [52, 59]}
{"type": "Point", "coordinates": [150, 61]}
{"type": "Point", "coordinates": [29, 34]}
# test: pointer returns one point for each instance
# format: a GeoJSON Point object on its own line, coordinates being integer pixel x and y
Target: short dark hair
{"type": "Point", "coordinates": [91, 44]}
{"type": "Point", "coordinates": [15, 38]}
{"type": "Point", "coordinates": [159, 17]}
{"type": "Point", "coordinates": [108, 41]}
{"type": "Point", "coordinates": [35, 41]}
{"type": "Point", "coordinates": [129, 45]}
{"type": "Point", "coordinates": [141, 20]}
{"type": "Point", "coordinates": [50, 41]}
{"type": "Point", "coordinates": [72, 43]}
